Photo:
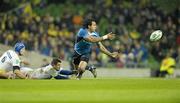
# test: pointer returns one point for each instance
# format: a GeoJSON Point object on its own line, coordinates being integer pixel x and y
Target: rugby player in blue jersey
{"type": "Point", "coordinates": [86, 36]}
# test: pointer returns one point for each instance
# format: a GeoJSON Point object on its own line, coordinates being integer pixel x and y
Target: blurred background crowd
{"type": "Point", "coordinates": [49, 27]}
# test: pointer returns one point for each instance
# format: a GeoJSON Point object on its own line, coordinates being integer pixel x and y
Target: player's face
{"type": "Point", "coordinates": [22, 52]}
{"type": "Point", "coordinates": [57, 66]}
{"type": "Point", "coordinates": [93, 26]}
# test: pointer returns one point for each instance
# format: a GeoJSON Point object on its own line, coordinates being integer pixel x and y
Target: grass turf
{"type": "Point", "coordinates": [124, 90]}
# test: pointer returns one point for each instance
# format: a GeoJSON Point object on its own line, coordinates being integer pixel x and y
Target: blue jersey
{"type": "Point", "coordinates": [81, 45]}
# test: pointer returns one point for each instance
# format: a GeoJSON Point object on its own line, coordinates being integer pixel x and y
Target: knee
{"type": "Point", "coordinates": [81, 69]}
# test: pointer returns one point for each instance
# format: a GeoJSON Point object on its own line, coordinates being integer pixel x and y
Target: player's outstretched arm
{"type": "Point", "coordinates": [110, 35]}
{"type": "Point", "coordinates": [91, 38]}
{"type": "Point", "coordinates": [25, 62]}
{"type": "Point", "coordinates": [104, 50]}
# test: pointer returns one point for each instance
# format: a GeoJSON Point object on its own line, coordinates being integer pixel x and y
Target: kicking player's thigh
{"type": "Point", "coordinates": [85, 58]}
{"type": "Point", "coordinates": [83, 62]}
{"type": "Point", "coordinates": [82, 65]}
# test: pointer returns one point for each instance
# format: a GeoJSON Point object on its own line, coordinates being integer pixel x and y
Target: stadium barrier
{"type": "Point", "coordinates": [124, 72]}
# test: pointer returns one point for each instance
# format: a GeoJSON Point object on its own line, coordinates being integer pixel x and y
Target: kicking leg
{"type": "Point", "coordinates": [81, 69]}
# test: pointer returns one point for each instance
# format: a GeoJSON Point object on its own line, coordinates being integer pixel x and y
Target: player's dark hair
{"type": "Point", "coordinates": [87, 22]}
{"type": "Point", "coordinates": [55, 61]}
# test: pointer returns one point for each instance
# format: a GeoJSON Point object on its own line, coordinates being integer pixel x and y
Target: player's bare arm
{"type": "Point", "coordinates": [98, 39]}
{"type": "Point", "coordinates": [19, 73]}
{"type": "Point", "coordinates": [104, 50]}
{"type": "Point", "coordinates": [25, 62]}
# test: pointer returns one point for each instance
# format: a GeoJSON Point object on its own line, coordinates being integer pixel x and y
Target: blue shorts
{"type": "Point", "coordinates": [77, 58]}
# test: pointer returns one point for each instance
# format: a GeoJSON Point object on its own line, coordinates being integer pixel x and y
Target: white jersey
{"type": "Point", "coordinates": [44, 72]}
{"type": "Point", "coordinates": [9, 59]}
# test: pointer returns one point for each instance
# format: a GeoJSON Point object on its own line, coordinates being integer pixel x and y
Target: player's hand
{"type": "Point", "coordinates": [115, 55]}
{"type": "Point", "coordinates": [111, 36]}
{"type": "Point", "coordinates": [11, 76]}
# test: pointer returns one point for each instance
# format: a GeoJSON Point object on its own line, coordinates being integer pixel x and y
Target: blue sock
{"type": "Point", "coordinates": [61, 77]}
{"type": "Point", "coordinates": [66, 72]}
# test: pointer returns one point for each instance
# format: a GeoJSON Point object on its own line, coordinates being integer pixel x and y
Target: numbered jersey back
{"type": "Point", "coordinates": [8, 60]}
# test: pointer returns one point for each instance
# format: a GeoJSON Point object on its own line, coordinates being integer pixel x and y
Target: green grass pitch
{"type": "Point", "coordinates": [122, 90]}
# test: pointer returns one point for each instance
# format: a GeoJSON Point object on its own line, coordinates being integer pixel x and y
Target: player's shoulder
{"type": "Point", "coordinates": [11, 52]}
{"type": "Point", "coordinates": [48, 67]}
{"type": "Point", "coordinates": [12, 55]}
{"type": "Point", "coordinates": [82, 30]}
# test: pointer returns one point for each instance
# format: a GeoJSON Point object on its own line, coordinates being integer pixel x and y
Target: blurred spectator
{"type": "Point", "coordinates": [167, 66]}
{"type": "Point", "coordinates": [141, 54]}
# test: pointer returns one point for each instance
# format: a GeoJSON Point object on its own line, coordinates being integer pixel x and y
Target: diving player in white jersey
{"type": "Point", "coordinates": [10, 61]}
{"type": "Point", "coordinates": [52, 70]}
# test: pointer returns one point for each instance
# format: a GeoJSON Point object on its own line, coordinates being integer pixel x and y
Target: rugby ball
{"type": "Point", "coordinates": [156, 35]}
